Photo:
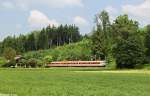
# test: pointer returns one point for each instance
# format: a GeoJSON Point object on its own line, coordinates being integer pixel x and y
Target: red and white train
{"type": "Point", "coordinates": [77, 64]}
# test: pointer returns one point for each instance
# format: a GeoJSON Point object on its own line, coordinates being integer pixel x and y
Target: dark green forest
{"type": "Point", "coordinates": [122, 43]}
{"type": "Point", "coordinates": [44, 39]}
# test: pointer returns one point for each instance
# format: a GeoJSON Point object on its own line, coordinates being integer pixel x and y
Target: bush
{"type": "Point", "coordinates": [23, 63]}
{"type": "Point", "coordinates": [36, 55]}
{"type": "Point", "coordinates": [48, 59]}
{"type": "Point", "coordinates": [32, 63]}
{"type": "Point", "coordinates": [40, 63]}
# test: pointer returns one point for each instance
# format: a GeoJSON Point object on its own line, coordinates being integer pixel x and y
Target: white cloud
{"type": "Point", "coordinates": [111, 10]}
{"type": "Point", "coordinates": [64, 3]}
{"type": "Point", "coordinates": [7, 4]}
{"type": "Point", "coordinates": [38, 19]}
{"type": "Point", "coordinates": [80, 21]}
{"type": "Point", "coordinates": [14, 4]}
{"type": "Point", "coordinates": [140, 11]}
{"type": "Point", "coordinates": [28, 4]}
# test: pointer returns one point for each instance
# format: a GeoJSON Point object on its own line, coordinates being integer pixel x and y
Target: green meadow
{"type": "Point", "coordinates": [74, 82]}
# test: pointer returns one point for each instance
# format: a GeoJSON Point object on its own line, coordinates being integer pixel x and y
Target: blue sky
{"type": "Point", "coordinates": [23, 16]}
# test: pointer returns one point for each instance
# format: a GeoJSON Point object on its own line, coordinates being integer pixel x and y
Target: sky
{"type": "Point", "coordinates": [23, 16]}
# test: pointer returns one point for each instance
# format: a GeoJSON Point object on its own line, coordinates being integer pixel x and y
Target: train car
{"type": "Point", "coordinates": [77, 64]}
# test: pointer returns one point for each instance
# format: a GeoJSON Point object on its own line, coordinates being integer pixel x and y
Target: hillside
{"type": "Point", "coordinates": [74, 51]}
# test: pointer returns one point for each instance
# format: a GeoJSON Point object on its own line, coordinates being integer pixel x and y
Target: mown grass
{"type": "Point", "coordinates": [73, 82]}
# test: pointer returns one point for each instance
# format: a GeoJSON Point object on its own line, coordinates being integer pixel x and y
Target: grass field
{"type": "Point", "coordinates": [73, 82]}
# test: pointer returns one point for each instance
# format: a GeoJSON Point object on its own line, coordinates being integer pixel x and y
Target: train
{"type": "Point", "coordinates": [77, 64]}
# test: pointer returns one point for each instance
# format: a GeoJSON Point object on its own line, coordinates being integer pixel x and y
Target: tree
{"type": "Point", "coordinates": [31, 42]}
{"type": "Point", "coordinates": [9, 42]}
{"type": "Point", "coordinates": [9, 53]}
{"type": "Point", "coordinates": [129, 50]}
{"type": "Point", "coordinates": [21, 43]}
{"type": "Point", "coordinates": [1, 48]}
{"type": "Point", "coordinates": [129, 53]}
{"type": "Point", "coordinates": [48, 37]}
{"type": "Point", "coordinates": [147, 41]}
{"type": "Point", "coordinates": [101, 37]}
{"type": "Point", "coordinates": [43, 40]}
{"type": "Point", "coordinates": [49, 32]}
{"type": "Point", "coordinates": [123, 27]}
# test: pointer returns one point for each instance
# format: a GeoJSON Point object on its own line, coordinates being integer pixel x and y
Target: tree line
{"type": "Point", "coordinates": [46, 38]}
{"type": "Point", "coordinates": [122, 41]}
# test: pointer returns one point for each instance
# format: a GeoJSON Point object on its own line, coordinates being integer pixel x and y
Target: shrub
{"type": "Point", "coordinates": [36, 55]}
{"type": "Point", "coordinates": [23, 63]}
{"type": "Point", "coordinates": [48, 59]}
{"type": "Point", "coordinates": [32, 62]}
{"type": "Point", "coordinates": [40, 63]}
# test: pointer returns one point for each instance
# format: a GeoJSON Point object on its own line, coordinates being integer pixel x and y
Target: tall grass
{"type": "Point", "coordinates": [72, 82]}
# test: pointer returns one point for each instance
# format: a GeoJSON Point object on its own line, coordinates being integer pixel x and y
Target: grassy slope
{"type": "Point", "coordinates": [73, 82]}
{"type": "Point", "coordinates": [79, 50]}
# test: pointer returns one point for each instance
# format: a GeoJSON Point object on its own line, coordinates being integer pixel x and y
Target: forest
{"type": "Point", "coordinates": [46, 38]}
{"type": "Point", "coordinates": [121, 42]}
